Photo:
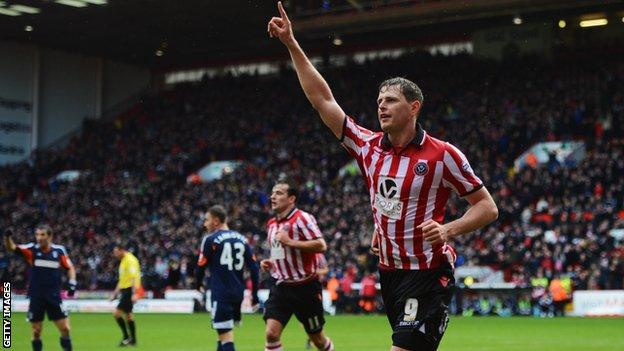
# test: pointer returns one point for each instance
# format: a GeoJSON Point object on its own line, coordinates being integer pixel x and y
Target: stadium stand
{"type": "Point", "coordinates": [554, 220]}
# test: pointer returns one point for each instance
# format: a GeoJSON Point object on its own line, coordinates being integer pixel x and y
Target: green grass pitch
{"type": "Point", "coordinates": [350, 333]}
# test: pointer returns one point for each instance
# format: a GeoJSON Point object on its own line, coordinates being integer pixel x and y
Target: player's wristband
{"type": "Point", "coordinates": [73, 282]}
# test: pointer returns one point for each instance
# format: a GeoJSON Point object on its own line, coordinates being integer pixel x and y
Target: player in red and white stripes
{"type": "Point", "coordinates": [295, 241]}
{"type": "Point", "coordinates": [410, 176]}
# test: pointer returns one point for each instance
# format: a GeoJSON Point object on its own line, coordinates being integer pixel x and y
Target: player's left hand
{"type": "Point", "coordinates": [283, 238]}
{"type": "Point", "coordinates": [374, 248]}
{"type": "Point", "coordinates": [434, 232]}
{"type": "Point", "coordinates": [201, 289]}
{"type": "Point", "coordinates": [71, 291]}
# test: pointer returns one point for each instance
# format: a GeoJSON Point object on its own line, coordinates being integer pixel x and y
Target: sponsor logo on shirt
{"type": "Point", "coordinates": [387, 198]}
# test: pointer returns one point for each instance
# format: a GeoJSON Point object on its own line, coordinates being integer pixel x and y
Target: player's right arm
{"type": "Point", "coordinates": [8, 241]}
{"type": "Point", "coordinates": [202, 263]}
{"type": "Point", "coordinates": [314, 85]}
{"type": "Point", "coordinates": [22, 250]}
{"type": "Point", "coordinates": [252, 264]}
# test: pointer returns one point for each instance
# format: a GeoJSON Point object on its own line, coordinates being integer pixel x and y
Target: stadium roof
{"type": "Point", "coordinates": [192, 32]}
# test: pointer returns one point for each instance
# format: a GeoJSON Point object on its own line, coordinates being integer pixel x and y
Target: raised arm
{"type": "Point", "coordinates": [23, 251]}
{"type": "Point", "coordinates": [8, 241]}
{"type": "Point", "coordinates": [315, 87]}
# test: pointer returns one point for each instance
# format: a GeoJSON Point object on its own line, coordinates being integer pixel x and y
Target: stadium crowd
{"type": "Point", "coordinates": [554, 221]}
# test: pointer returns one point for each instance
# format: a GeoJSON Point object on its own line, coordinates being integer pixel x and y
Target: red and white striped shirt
{"type": "Point", "coordinates": [296, 265]}
{"type": "Point", "coordinates": [407, 187]}
{"type": "Point", "coordinates": [321, 261]}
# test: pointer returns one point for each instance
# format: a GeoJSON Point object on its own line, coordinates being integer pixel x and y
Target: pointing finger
{"type": "Point", "coordinates": [282, 12]}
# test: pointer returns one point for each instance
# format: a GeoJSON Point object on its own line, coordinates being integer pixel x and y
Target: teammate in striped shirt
{"type": "Point", "coordinates": [409, 176]}
{"type": "Point", "coordinates": [46, 261]}
{"type": "Point", "coordinates": [295, 240]}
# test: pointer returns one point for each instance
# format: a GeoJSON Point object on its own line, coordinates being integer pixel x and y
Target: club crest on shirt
{"type": "Point", "coordinates": [421, 168]}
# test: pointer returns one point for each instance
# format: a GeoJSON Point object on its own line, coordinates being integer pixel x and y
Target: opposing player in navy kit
{"type": "Point", "coordinates": [44, 283]}
{"type": "Point", "coordinates": [225, 252]}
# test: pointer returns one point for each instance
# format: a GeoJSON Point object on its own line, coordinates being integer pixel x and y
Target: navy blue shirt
{"type": "Point", "coordinates": [44, 278]}
{"type": "Point", "coordinates": [225, 252]}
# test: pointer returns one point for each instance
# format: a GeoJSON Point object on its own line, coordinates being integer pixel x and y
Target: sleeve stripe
{"type": "Point", "coordinates": [355, 137]}
{"type": "Point", "coordinates": [464, 181]}
{"type": "Point", "coordinates": [203, 242]}
{"type": "Point", "coordinates": [450, 185]}
{"type": "Point", "coordinates": [316, 230]}
{"type": "Point", "coordinates": [25, 250]}
{"type": "Point", "coordinates": [301, 229]}
{"type": "Point", "coordinates": [351, 146]}
{"type": "Point", "coordinates": [460, 160]}
{"type": "Point", "coordinates": [310, 223]}
{"type": "Point", "coordinates": [477, 188]}
{"type": "Point", "coordinates": [60, 247]}
{"type": "Point", "coordinates": [202, 260]}
{"type": "Point", "coordinates": [64, 261]}
{"type": "Point", "coordinates": [461, 183]}
{"type": "Point", "coordinates": [344, 125]}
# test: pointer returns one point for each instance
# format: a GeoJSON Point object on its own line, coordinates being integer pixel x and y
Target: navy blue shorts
{"type": "Point", "coordinates": [42, 304]}
{"type": "Point", "coordinates": [225, 314]}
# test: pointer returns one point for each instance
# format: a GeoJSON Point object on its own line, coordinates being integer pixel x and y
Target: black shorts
{"type": "Point", "coordinates": [125, 301]}
{"type": "Point", "coordinates": [51, 304]}
{"type": "Point", "coordinates": [417, 305]}
{"type": "Point", "coordinates": [304, 300]}
{"type": "Point", "coordinates": [225, 314]}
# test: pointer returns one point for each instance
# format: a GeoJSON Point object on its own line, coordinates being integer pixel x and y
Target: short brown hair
{"type": "Point", "coordinates": [409, 89]}
{"type": "Point", "coordinates": [219, 212]}
{"type": "Point", "coordinates": [292, 187]}
{"type": "Point", "coordinates": [44, 227]}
